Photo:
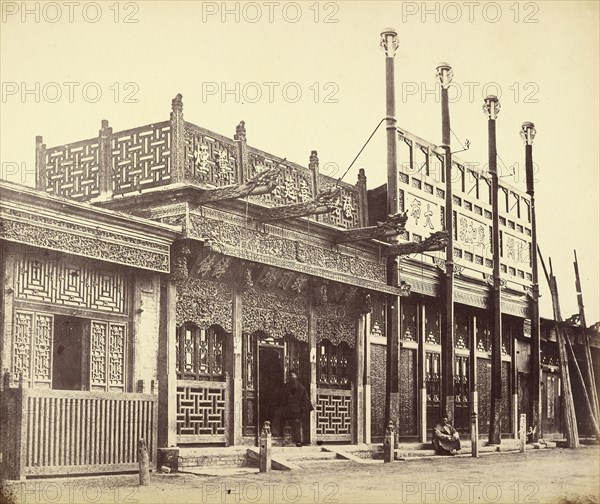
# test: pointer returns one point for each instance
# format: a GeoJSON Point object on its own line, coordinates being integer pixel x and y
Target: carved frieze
{"type": "Point", "coordinates": [204, 302]}
{"type": "Point", "coordinates": [337, 323]}
{"type": "Point", "coordinates": [284, 251]}
{"type": "Point", "coordinates": [276, 315]}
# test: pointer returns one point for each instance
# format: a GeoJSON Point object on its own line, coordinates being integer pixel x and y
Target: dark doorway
{"type": "Point", "coordinates": [68, 353]}
{"type": "Point", "coordinates": [270, 382]}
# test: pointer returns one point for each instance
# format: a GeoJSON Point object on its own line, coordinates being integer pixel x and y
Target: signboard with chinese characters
{"type": "Point", "coordinates": [473, 237]}
{"type": "Point", "coordinates": [424, 215]}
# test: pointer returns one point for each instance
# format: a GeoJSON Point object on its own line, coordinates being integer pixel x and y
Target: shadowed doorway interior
{"type": "Point", "coordinates": [270, 380]}
{"type": "Point", "coordinates": [68, 354]}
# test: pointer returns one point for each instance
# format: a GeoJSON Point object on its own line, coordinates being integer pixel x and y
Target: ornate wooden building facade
{"type": "Point", "coordinates": [208, 269]}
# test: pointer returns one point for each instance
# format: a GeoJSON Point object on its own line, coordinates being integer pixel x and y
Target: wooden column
{"type": "Point", "coordinates": [367, 370]}
{"type": "Point", "coordinates": [361, 185]}
{"type": "Point", "coordinates": [312, 350]}
{"type": "Point", "coordinates": [473, 368]}
{"type": "Point", "coordinates": [359, 378]}
{"type": "Point", "coordinates": [496, 312]}
{"type": "Point", "coordinates": [421, 378]}
{"type": "Point", "coordinates": [516, 418]}
{"type": "Point", "coordinates": [8, 285]}
{"type": "Point", "coordinates": [237, 366]}
{"type": "Point", "coordinates": [167, 371]}
{"type": "Point", "coordinates": [177, 140]}
{"type": "Point", "coordinates": [41, 179]}
{"type": "Point", "coordinates": [448, 280]}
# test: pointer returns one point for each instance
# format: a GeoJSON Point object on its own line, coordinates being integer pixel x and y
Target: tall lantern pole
{"type": "Point", "coordinates": [444, 74]}
{"type": "Point", "coordinates": [491, 107]}
{"type": "Point", "coordinates": [528, 134]}
{"type": "Point", "coordinates": [389, 42]}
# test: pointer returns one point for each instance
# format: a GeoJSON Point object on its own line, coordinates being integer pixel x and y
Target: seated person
{"type": "Point", "coordinates": [445, 438]}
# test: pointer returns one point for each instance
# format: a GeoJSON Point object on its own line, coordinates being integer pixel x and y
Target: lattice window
{"type": "Point", "coordinates": [334, 416]}
{"type": "Point", "coordinates": [483, 337]}
{"type": "Point", "coordinates": [334, 365]}
{"type": "Point", "coordinates": [116, 355]}
{"type": "Point", "coordinates": [201, 411]}
{"type": "Point", "coordinates": [22, 340]}
{"type": "Point", "coordinates": [200, 354]}
{"type": "Point", "coordinates": [432, 324]}
{"type": "Point", "coordinates": [432, 382]}
{"type": "Point", "coordinates": [66, 284]}
{"type": "Point", "coordinates": [108, 346]}
{"type": "Point", "coordinates": [98, 354]}
{"type": "Point", "coordinates": [462, 321]}
{"type": "Point", "coordinates": [42, 354]}
{"type": "Point", "coordinates": [409, 320]}
{"type": "Point", "coordinates": [32, 347]}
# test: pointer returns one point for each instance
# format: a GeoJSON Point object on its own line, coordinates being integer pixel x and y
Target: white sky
{"type": "Point", "coordinates": [546, 72]}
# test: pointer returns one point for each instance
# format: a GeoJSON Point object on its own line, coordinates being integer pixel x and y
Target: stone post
{"type": "Point", "coordinates": [388, 443]}
{"type": "Point", "coordinates": [474, 435]}
{"type": "Point", "coordinates": [265, 448]}
{"type": "Point", "coordinates": [144, 462]}
{"type": "Point", "coordinates": [523, 433]}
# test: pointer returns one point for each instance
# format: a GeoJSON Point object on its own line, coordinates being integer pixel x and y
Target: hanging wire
{"type": "Point", "coordinates": [359, 152]}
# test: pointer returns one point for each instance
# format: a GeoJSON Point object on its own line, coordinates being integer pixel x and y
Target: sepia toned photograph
{"type": "Point", "coordinates": [302, 251]}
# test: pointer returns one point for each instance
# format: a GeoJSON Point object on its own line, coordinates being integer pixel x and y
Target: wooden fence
{"type": "Point", "coordinates": [53, 432]}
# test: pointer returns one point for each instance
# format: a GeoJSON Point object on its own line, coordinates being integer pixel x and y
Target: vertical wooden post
{"type": "Point", "coordinates": [390, 44]}
{"type": "Point", "coordinates": [421, 379]}
{"type": "Point", "coordinates": [167, 366]}
{"type": "Point", "coordinates": [237, 366]}
{"type": "Point", "coordinates": [8, 275]}
{"type": "Point", "coordinates": [359, 379]}
{"type": "Point", "coordinates": [473, 367]}
{"type": "Point", "coordinates": [105, 173]}
{"type": "Point", "coordinates": [361, 185]}
{"type": "Point", "coordinates": [312, 349]}
{"type": "Point", "coordinates": [313, 164]}
{"type": "Point", "coordinates": [177, 140]}
{"type": "Point", "coordinates": [589, 368]}
{"type": "Point", "coordinates": [492, 106]}
{"type": "Point", "coordinates": [445, 75]}
{"type": "Point", "coordinates": [527, 130]}
{"type": "Point", "coordinates": [242, 151]}
{"type": "Point", "coordinates": [569, 406]}
{"type": "Point", "coordinates": [368, 378]}
{"type": "Point", "coordinates": [41, 176]}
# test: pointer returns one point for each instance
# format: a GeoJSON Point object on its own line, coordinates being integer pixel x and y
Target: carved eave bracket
{"type": "Point", "coordinates": [393, 226]}
{"type": "Point", "coordinates": [262, 183]}
{"type": "Point", "coordinates": [324, 202]}
{"type": "Point", "coordinates": [437, 241]}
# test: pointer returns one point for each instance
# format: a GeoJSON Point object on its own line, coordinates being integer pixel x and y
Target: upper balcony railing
{"type": "Point", "coordinates": [128, 162]}
{"type": "Point", "coordinates": [422, 190]}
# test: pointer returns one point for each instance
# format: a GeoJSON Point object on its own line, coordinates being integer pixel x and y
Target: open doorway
{"type": "Point", "coordinates": [270, 383]}
{"type": "Point", "coordinates": [68, 354]}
